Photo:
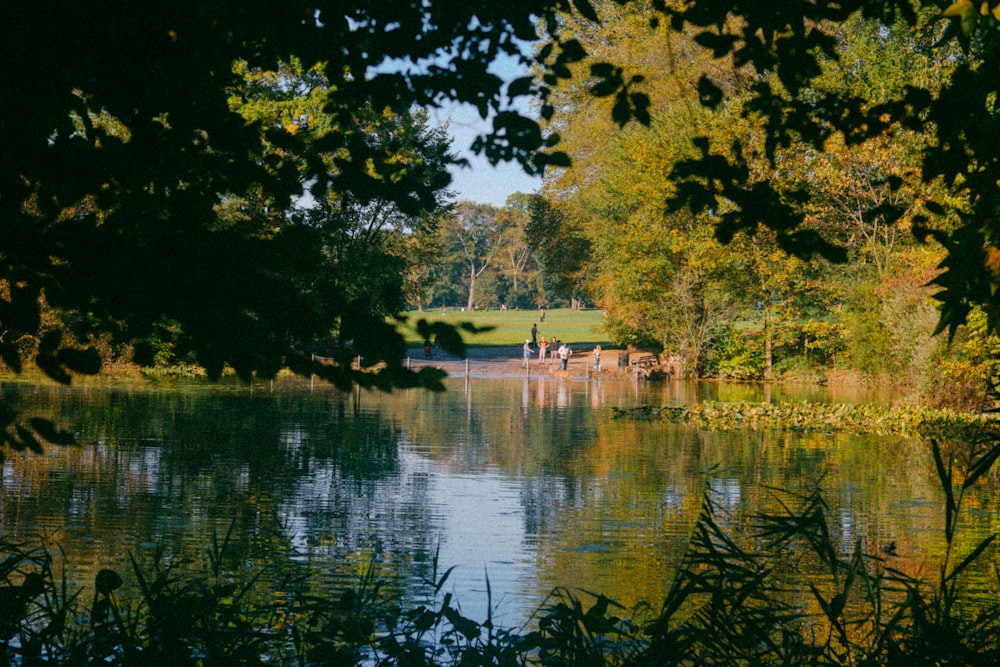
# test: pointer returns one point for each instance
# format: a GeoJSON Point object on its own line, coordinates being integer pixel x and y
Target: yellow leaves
{"type": "Point", "coordinates": [372, 169]}
{"type": "Point", "coordinates": [959, 8]}
{"type": "Point", "coordinates": [968, 14]}
{"type": "Point", "coordinates": [986, 10]}
{"type": "Point", "coordinates": [993, 260]}
{"type": "Point", "coordinates": [964, 8]}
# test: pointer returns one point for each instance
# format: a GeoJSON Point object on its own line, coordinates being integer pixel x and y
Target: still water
{"type": "Point", "coordinates": [521, 485]}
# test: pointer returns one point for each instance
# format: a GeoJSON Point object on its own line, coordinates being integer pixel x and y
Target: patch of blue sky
{"type": "Point", "coordinates": [479, 181]}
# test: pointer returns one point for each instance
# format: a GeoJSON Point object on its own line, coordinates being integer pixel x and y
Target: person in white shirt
{"type": "Point", "coordinates": [564, 354]}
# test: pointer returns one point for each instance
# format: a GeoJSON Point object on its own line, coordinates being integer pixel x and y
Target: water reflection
{"type": "Point", "coordinates": [529, 483]}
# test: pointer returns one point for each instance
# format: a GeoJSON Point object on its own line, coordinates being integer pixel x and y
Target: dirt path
{"type": "Point", "coordinates": [508, 362]}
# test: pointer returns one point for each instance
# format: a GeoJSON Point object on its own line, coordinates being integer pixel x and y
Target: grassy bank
{"type": "Point", "coordinates": [511, 327]}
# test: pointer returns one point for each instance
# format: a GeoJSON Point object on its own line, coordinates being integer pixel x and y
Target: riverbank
{"type": "Point", "coordinates": [508, 362]}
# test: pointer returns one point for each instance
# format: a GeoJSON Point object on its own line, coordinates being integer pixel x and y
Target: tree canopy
{"type": "Point", "coordinates": [785, 45]}
{"type": "Point", "coordinates": [131, 132]}
{"type": "Point", "coordinates": [123, 146]}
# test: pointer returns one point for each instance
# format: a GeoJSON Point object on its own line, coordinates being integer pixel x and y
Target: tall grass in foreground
{"type": "Point", "coordinates": [779, 593]}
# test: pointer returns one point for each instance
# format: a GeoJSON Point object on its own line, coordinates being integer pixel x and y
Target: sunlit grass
{"type": "Point", "coordinates": [512, 327]}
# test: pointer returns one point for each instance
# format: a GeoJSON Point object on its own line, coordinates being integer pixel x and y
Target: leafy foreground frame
{"type": "Point", "coordinates": [778, 594]}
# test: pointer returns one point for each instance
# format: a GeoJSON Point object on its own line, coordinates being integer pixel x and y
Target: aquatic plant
{"type": "Point", "coordinates": [807, 416]}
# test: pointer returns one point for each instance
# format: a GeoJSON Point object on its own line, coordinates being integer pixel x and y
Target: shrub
{"type": "Point", "coordinates": [736, 356]}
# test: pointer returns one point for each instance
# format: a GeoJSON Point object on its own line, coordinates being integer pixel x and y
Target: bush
{"type": "Point", "coordinates": [799, 368]}
{"type": "Point", "coordinates": [736, 356]}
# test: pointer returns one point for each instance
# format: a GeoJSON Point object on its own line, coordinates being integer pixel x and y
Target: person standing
{"type": "Point", "coordinates": [564, 355]}
{"type": "Point", "coordinates": [534, 334]}
{"type": "Point", "coordinates": [543, 347]}
{"type": "Point", "coordinates": [541, 317]}
{"type": "Point", "coordinates": [527, 351]}
{"type": "Point", "coordinates": [597, 359]}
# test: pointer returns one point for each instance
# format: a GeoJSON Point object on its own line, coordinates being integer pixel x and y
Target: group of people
{"type": "Point", "coordinates": [560, 350]}
{"type": "Point", "coordinates": [552, 348]}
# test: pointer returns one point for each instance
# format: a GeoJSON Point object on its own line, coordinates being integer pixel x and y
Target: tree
{"type": "Point", "coordinates": [786, 48]}
{"type": "Point", "coordinates": [560, 247]}
{"type": "Point", "coordinates": [772, 280]}
{"type": "Point", "coordinates": [365, 240]}
{"type": "Point", "coordinates": [849, 197]}
{"type": "Point", "coordinates": [656, 276]}
{"type": "Point", "coordinates": [473, 232]}
{"type": "Point", "coordinates": [866, 195]}
{"type": "Point", "coordinates": [122, 150]}
{"type": "Point", "coordinates": [516, 261]}
{"type": "Point", "coordinates": [123, 146]}
{"type": "Point", "coordinates": [423, 249]}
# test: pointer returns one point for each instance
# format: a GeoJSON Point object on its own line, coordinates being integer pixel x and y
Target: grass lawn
{"type": "Point", "coordinates": [511, 327]}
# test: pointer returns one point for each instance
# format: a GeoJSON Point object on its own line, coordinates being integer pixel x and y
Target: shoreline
{"type": "Point", "coordinates": [507, 362]}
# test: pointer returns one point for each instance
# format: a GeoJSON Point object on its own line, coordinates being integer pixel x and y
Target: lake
{"type": "Point", "coordinates": [520, 485]}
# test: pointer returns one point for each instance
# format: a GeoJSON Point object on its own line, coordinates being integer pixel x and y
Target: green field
{"type": "Point", "coordinates": [511, 327]}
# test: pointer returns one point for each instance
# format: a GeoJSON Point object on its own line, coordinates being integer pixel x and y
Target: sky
{"type": "Point", "coordinates": [480, 182]}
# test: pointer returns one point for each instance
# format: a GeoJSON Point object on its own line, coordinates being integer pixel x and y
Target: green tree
{"type": "Point", "coordinates": [851, 197]}
{"type": "Point", "coordinates": [772, 281]}
{"type": "Point", "coordinates": [656, 275]}
{"type": "Point", "coordinates": [515, 260]}
{"type": "Point", "coordinates": [124, 148]}
{"type": "Point", "coordinates": [423, 249]}
{"type": "Point", "coordinates": [110, 206]}
{"type": "Point", "coordinates": [471, 233]}
{"type": "Point", "coordinates": [560, 247]}
{"type": "Point", "coordinates": [788, 49]}
{"type": "Point", "coordinates": [365, 239]}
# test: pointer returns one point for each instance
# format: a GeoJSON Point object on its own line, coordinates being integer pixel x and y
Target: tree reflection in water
{"type": "Point", "coordinates": [530, 489]}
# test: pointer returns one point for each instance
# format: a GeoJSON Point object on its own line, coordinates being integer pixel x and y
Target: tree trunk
{"type": "Point", "coordinates": [768, 345]}
{"type": "Point", "coordinates": [472, 288]}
